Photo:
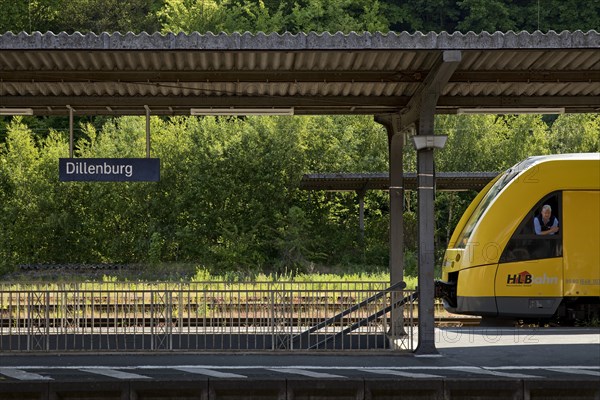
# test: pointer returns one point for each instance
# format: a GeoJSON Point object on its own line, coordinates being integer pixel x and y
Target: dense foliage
{"type": "Point", "coordinates": [297, 15]}
{"type": "Point", "coordinates": [228, 198]}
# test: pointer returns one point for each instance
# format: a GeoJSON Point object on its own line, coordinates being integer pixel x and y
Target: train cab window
{"type": "Point", "coordinates": [539, 234]}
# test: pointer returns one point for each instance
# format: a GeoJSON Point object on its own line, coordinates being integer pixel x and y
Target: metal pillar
{"type": "Point", "coordinates": [361, 214]}
{"type": "Point", "coordinates": [147, 131]}
{"type": "Point", "coordinates": [427, 100]}
{"type": "Point", "coordinates": [70, 131]}
{"type": "Point", "coordinates": [426, 229]}
{"type": "Point", "coordinates": [396, 190]}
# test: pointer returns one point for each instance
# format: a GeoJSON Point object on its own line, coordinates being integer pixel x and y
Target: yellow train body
{"type": "Point", "coordinates": [503, 263]}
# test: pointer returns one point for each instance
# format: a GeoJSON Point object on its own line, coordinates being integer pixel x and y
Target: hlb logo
{"type": "Point", "coordinates": [525, 278]}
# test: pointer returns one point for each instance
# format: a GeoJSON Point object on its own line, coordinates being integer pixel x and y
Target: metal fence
{"type": "Point", "coordinates": [261, 316]}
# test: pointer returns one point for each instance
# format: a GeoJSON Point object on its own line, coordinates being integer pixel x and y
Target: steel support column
{"type": "Point", "coordinates": [395, 145]}
{"type": "Point", "coordinates": [361, 214]}
{"type": "Point", "coordinates": [426, 229]}
{"type": "Point", "coordinates": [427, 100]}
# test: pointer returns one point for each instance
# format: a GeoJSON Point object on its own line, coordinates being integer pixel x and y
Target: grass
{"type": "Point", "coordinates": [201, 289]}
{"type": "Point", "coordinates": [172, 275]}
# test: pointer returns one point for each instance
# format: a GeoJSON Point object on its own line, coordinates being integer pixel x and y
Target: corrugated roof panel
{"type": "Point", "coordinates": [46, 90]}
{"type": "Point", "coordinates": [549, 61]}
{"type": "Point", "coordinates": [226, 61]}
{"type": "Point", "coordinates": [579, 89]}
{"type": "Point", "coordinates": [312, 89]}
{"type": "Point", "coordinates": [453, 89]}
{"type": "Point", "coordinates": [585, 60]}
{"type": "Point", "coordinates": [289, 59]}
{"type": "Point", "coordinates": [373, 71]}
{"type": "Point", "coordinates": [409, 60]}
{"type": "Point", "coordinates": [183, 61]}
{"type": "Point", "coordinates": [326, 41]}
{"type": "Point", "coordinates": [292, 90]}
{"type": "Point", "coordinates": [260, 89]}
{"type": "Point", "coordinates": [389, 90]}
{"type": "Point", "coordinates": [524, 60]}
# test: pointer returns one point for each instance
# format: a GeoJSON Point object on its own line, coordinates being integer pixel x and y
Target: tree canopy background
{"type": "Point", "coordinates": [228, 198]}
{"type": "Point", "coordinates": [297, 15]}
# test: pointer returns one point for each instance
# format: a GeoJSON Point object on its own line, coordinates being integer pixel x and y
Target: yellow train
{"type": "Point", "coordinates": [528, 246]}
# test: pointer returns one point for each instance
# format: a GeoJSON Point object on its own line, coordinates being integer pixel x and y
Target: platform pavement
{"type": "Point", "coordinates": [518, 363]}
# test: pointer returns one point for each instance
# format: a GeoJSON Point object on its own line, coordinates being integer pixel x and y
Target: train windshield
{"type": "Point", "coordinates": [500, 184]}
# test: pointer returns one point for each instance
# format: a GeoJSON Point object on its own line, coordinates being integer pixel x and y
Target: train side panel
{"type": "Point", "coordinates": [529, 288]}
{"type": "Point", "coordinates": [581, 243]}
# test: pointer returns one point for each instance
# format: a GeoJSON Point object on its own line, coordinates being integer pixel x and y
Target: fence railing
{"type": "Point", "coordinates": [202, 316]}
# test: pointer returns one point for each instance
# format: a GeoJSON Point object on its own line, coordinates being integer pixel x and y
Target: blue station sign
{"type": "Point", "coordinates": [109, 169]}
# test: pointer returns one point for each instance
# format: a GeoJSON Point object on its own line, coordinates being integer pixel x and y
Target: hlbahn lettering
{"type": "Point", "coordinates": [109, 169]}
{"type": "Point", "coordinates": [525, 278]}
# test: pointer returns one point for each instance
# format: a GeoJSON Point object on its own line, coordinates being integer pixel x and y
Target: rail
{"type": "Point", "coordinates": [364, 321]}
{"type": "Point", "coordinates": [256, 316]}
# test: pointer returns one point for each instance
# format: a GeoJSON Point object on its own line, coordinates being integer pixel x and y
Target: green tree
{"type": "Point", "coordinates": [22, 235]}
{"type": "Point", "coordinates": [228, 196]}
{"type": "Point", "coordinates": [192, 15]}
{"type": "Point", "coordinates": [79, 15]}
{"type": "Point", "coordinates": [108, 16]}
{"type": "Point", "coordinates": [486, 15]}
{"type": "Point", "coordinates": [14, 16]}
{"type": "Point", "coordinates": [29, 16]}
{"type": "Point", "coordinates": [338, 16]}
{"type": "Point", "coordinates": [423, 15]}
{"type": "Point", "coordinates": [497, 141]}
{"type": "Point", "coordinates": [575, 133]}
{"type": "Point", "coordinates": [254, 16]}
{"type": "Point", "coordinates": [557, 15]}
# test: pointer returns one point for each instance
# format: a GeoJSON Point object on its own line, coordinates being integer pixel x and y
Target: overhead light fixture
{"type": "Point", "coordinates": [422, 142]}
{"type": "Point", "coordinates": [512, 110]}
{"type": "Point", "coordinates": [16, 111]}
{"type": "Point", "coordinates": [243, 111]}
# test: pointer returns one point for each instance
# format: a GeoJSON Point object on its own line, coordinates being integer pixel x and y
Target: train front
{"type": "Point", "coordinates": [471, 261]}
{"type": "Point", "coordinates": [525, 247]}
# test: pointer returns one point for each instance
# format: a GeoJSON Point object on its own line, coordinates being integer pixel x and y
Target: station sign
{"type": "Point", "coordinates": [109, 169]}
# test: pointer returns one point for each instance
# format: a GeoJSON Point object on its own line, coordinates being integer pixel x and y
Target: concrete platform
{"type": "Point", "coordinates": [474, 363]}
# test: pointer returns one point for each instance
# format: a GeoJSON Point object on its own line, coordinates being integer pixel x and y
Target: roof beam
{"type": "Point", "coordinates": [341, 182]}
{"type": "Point", "coordinates": [426, 98]}
{"type": "Point", "coordinates": [207, 101]}
{"type": "Point", "coordinates": [222, 76]}
{"type": "Point", "coordinates": [264, 76]}
{"type": "Point", "coordinates": [570, 102]}
{"type": "Point", "coordinates": [97, 105]}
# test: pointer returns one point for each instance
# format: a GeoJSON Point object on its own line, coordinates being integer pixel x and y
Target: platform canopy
{"type": "Point", "coordinates": [115, 74]}
{"type": "Point", "coordinates": [402, 79]}
{"type": "Point", "coordinates": [358, 182]}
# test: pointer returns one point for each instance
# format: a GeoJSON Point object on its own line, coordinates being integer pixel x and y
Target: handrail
{"type": "Point", "coordinates": [366, 320]}
{"type": "Point", "coordinates": [338, 317]}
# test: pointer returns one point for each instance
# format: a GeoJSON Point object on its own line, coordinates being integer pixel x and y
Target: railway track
{"type": "Point", "coordinates": [184, 323]}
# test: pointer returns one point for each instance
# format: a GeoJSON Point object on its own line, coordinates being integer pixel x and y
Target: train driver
{"type": "Point", "coordinates": [545, 223]}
